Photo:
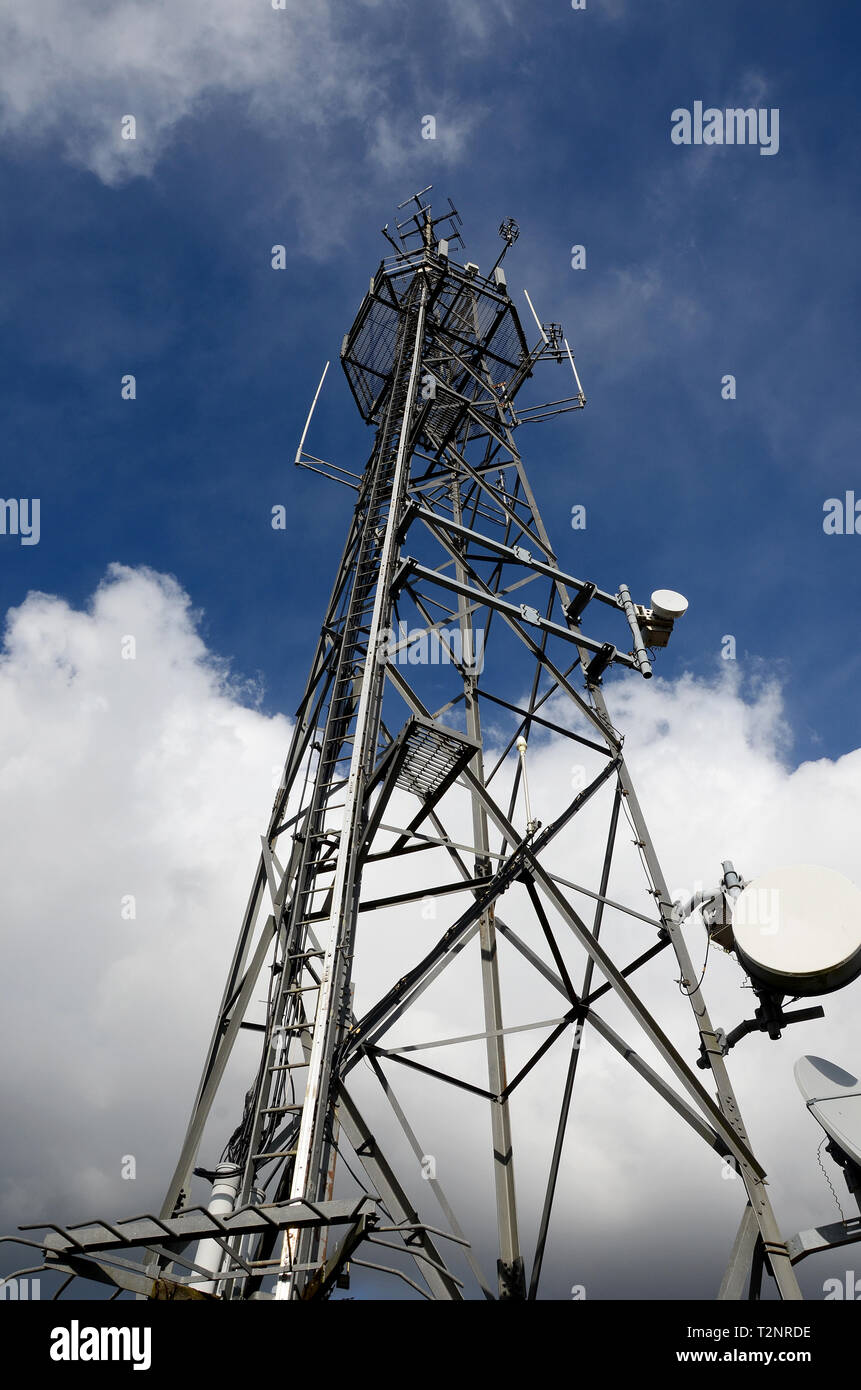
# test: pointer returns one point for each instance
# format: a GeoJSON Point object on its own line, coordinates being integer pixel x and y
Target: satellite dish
{"type": "Point", "coordinates": [666, 603]}
{"type": "Point", "coordinates": [798, 930]}
{"type": "Point", "coordinates": [833, 1097]}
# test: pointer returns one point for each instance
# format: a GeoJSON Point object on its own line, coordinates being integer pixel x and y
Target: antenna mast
{"type": "Point", "coordinates": [452, 637]}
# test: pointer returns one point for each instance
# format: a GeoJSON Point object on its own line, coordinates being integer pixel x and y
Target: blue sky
{"type": "Point", "coordinates": [700, 262]}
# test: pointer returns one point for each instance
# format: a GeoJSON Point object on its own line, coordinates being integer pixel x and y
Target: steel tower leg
{"type": "Point", "coordinates": [343, 904]}
{"type": "Point", "coordinates": [510, 1271]}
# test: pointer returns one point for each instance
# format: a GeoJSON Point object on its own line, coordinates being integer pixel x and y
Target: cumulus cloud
{"type": "Point", "coordinates": [153, 777]}
{"type": "Point", "coordinates": [145, 778]}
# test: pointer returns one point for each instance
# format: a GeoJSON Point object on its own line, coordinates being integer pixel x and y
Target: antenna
{"type": "Point", "coordinates": [833, 1097]}
{"type": "Point", "coordinates": [456, 224]}
{"type": "Point", "coordinates": [536, 318]}
{"type": "Point", "coordinates": [509, 231]}
{"type": "Point", "coordinates": [332, 471]}
{"type": "Point", "coordinates": [531, 825]}
{"type": "Point", "coordinates": [298, 458]}
{"type": "Point", "coordinates": [795, 931]}
{"type": "Point", "coordinates": [798, 930]}
{"type": "Point", "coordinates": [574, 370]}
{"type": "Point", "coordinates": [416, 198]}
{"type": "Point", "coordinates": [422, 224]}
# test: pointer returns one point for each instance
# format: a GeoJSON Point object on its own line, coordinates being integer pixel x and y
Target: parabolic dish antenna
{"type": "Point", "coordinates": [798, 930]}
{"type": "Point", "coordinates": [833, 1097]}
{"type": "Point", "coordinates": [666, 603]}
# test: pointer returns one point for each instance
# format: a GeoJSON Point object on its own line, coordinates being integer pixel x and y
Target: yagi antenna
{"type": "Point", "coordinates": [415, 196]}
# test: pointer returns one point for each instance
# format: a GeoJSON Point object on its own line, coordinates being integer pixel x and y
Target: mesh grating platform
{"type": "Point", "coordinates": [468, 311]}
{"type": "Point", "coordinates": [433, 756]}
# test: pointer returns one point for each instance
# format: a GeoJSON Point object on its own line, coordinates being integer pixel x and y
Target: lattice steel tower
{"type": "Point", "coordinates": [449, 616]}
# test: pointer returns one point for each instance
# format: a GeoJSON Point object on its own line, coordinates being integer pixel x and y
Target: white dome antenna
{"type": "Point", "coordinates": [656, 623]}
{"type": "Point", "coordinates": [666, 603]}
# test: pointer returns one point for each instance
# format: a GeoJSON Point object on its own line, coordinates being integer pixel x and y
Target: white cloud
{"type": "Point", "coordinates": [153, 777]}
{"type": "Point", "coordinates": [478, 19]}
{"type": "Point", "coordinates": [394, 146]}
{"type": "Point", "coordinates": [71, 72]}
{"type": "Point", "coordinates": [147, 777]}
{"type": "Point", "coordinates": [625, 319]}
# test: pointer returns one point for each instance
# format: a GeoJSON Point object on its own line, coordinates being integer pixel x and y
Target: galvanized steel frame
{"type": "Point", "coordinates": [430, 477]}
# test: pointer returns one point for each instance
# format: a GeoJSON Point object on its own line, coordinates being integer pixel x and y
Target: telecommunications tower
{"type": "Point", "coordinates": [415, 890]}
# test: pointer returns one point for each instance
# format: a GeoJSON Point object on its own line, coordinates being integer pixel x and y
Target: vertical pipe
{"type": "Point", "coordinates": [640, 654]}
{"type": "Point", "coordinates": [221, 1203]}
